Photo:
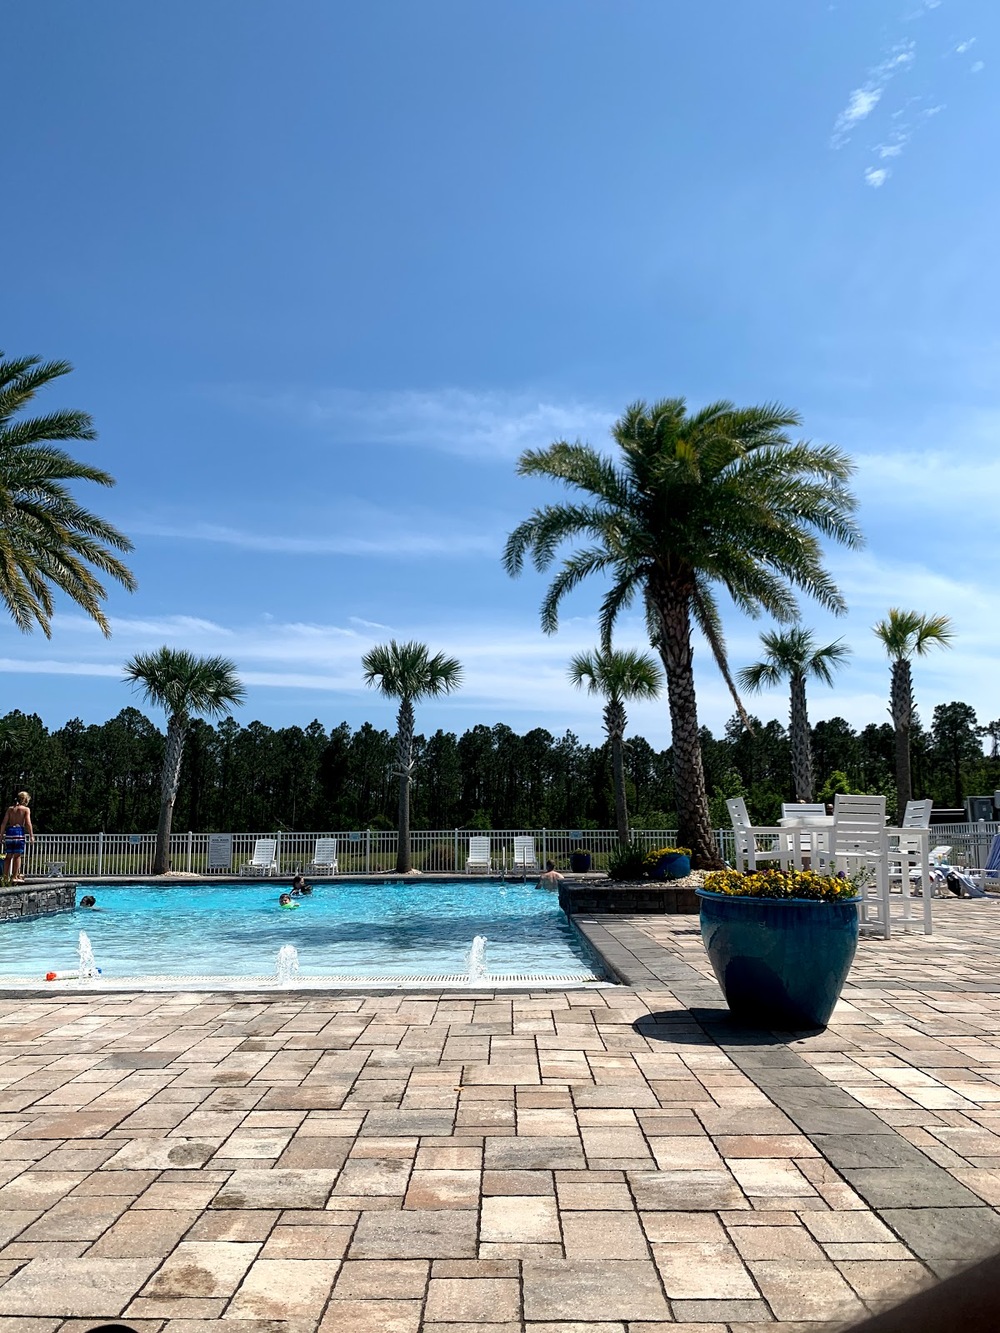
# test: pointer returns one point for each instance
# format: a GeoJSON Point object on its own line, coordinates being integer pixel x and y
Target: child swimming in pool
{"type": "Point", "coordinates": [286, 901]}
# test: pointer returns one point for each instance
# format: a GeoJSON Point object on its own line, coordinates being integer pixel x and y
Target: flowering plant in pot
{"type": "Point", "coordinates": [781, 942]}
{"type": "Point", "coordinates": [668, 862]}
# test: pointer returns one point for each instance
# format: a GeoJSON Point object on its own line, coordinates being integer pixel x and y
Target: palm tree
{"type": "Point", "coordinates": [47, 540]}
{"type": "Point", "coordinates": [793, 656]}
{"type": "Point", "coordinates": [183, 685]}
{"type": "Point", "coordinates": [617, 675]}
{"type": "Point", "coordinates": [718, 498]}
{"type": "Point", "coordinates": [905, 634]}
{"type": "Point", "coordinates": [406, 672]}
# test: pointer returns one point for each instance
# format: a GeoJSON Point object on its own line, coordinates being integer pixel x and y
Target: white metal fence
{"type": "Point", "coordinates": [368, 852]}
{"type": "Point", "coordinates": [359, 851]}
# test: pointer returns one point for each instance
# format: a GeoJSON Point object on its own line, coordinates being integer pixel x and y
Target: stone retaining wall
{"type": "Point", "coordinates": [636, 899]}
{"type": "Point", "coordinates": [37, 899]}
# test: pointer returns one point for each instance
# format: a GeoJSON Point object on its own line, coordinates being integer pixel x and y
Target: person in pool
{"type": "Point", "coordinates": [15, 831]}
{"type": "Point", "coordinates": [88, 900]}
{"type": "Point", "coordinates": [300, 889]}
{"type": "Point", "coordinates": [286, 901]}
{"type": "Point", "coordinates": [551, 878]}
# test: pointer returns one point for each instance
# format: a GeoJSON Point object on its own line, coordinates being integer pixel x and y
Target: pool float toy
{"type": "Point", "coordinates": [66, 976]}
{"type": "Point", "coordinates": [288, 907]}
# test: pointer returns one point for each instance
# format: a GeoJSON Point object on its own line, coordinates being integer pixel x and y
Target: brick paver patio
{"type": "Point", "coordinates": [610, 1161]}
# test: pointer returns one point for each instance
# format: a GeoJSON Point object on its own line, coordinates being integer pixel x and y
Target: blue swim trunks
{"type": "Point", "coordinates": [14, 840]}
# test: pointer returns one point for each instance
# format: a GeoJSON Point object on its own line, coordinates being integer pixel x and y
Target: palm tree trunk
{"type": "Point", "coordinates": [404, 766]}
{"type": "Point", "coordinates": [798, 730]}
{"type": "Point", "coordinates": [694, 827]}
{"type": "Point", "coordinates": [615, 721]}
{"type": "Point", "coordinates": [901, 708]}
{"type": "Point", "coordinates": [170, 777]}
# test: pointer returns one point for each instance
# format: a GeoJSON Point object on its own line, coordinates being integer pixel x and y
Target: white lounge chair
{"type": "Point", "coordinates": [989, 876]}
{"type": "Point", "coordinates": [524, 854]}
{"type": "Point", "coordinates": [479, 855]}
{"type": "Point", "coordinates": [324, 860]}
{"type": "Point", "coordinates": [264, 860]}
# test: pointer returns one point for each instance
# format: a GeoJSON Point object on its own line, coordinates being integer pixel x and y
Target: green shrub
{"type": "Point", "coordinates": [626, 862]}
{"type": "Point", "coordinates": [438, 858]}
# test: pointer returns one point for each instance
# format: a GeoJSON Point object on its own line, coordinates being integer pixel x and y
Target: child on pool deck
{"type": "Point", "coordinates": [15, 830]}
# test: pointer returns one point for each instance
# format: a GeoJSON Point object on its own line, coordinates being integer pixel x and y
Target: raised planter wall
{"type": "Point", "coordinates": [37, 899]}
{"type": "Point", "coordinates": [641, 899]}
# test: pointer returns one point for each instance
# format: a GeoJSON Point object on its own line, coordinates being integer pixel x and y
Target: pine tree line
{"type": "Point", "coordinates": [255, 777]}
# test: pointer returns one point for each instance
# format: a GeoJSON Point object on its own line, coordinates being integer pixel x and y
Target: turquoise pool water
{"type": "Point", "coordinates": [401, 928]}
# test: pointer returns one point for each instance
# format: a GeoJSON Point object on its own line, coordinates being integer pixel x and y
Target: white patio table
{"type": "Point", "coordinates": [813, 835]}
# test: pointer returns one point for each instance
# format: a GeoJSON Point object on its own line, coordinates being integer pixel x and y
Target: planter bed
{"type": "Point", "coordinates": [645, 898]}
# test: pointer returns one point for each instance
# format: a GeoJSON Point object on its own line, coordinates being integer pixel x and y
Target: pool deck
{"type": "Point", "coordinates": [614, 1161]}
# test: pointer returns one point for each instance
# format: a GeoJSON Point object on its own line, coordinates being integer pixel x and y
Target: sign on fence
{"type": "Point", "coordinates": [220, 851]}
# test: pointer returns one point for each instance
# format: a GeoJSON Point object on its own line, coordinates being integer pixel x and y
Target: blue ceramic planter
{"type": "Point", "coordinates": [781, 962]}
{"type": "Point", "coordinates": [675, 865]}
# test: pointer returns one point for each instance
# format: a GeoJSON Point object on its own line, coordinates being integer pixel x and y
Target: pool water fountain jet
{"type": "Point", "coordinates": [476, 965]}
{"type": "Point", "coordinates": [286, 969]}
{"type": "Point", "coordinates": [88, 963]}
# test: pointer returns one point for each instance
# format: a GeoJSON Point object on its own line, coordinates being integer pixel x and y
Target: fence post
{"type": "Point", "coordinates": [100, 853]}
{"type": "Point", "coordinates": [368, 851]}
{"type": "Point", "coordinates": [455, 862]}
{"type": "Point", "coordinates": [188, 861]}
{"type": "Point", "coordinates": [545, 853]}
{"type": "Point", "coordinates": [277, 850]}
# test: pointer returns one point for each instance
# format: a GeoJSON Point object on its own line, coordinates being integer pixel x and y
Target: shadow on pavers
{"type": "Point", "coordinates": [692, 1025]}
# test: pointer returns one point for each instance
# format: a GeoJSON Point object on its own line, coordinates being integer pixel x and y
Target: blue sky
{"type": "Point", "coordinates": [324, 270]}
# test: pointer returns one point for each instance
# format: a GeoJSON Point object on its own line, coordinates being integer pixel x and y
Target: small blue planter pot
{"type": "Point", "coordinates": [781, 963]}
{"type": "Point", "coordinates": [675, 865]}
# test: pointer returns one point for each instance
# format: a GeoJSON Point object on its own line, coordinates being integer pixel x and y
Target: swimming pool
{"type": "Point", "coordinates": [346, 929]}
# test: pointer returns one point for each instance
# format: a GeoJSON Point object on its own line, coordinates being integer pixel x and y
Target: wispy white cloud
{"type": "Point", "coordinates": [478, 425]}
{"type": "Point", "coordinates": [863, 101]}
{"type": "Point", "coordinates": [977, 66]}
{"type": "Point", "coordinates": [876, 176]}
{"type": "Point", "coordinates": [962, 47]}
{"type": "Point", "coordinates": [392, 536]}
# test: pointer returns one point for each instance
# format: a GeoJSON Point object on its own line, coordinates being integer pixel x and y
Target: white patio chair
{"type": "Point", "coordinates": [911, 864]}
{"type": "Point", "coordinates": [859, 845]}
{"type": "Point", "coordinates": [524, 854]}
{"type": "Point", "coordinates": [479, 857]}
{"type": "Point", "coordinates": [802, 809]}
{"type": "Point", "coordinates": [324, 860]}
{"type": "Point", "coordinates": [264, 860]}
{"type": "Point", "coordinates": [756, 843]}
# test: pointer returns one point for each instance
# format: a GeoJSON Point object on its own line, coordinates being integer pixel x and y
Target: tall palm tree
{"type": "Point", "coordinates": [904, 635]}
{"type": "Point", "coordinates": [794, 656]}
{"type": "Point", "coordinates": [717, 498]}
{"type": "Point", "coordinates": [618, 675]}
{"type": "Point", "coordinates": [405, 671]}
{"type": "Point", "coordinates": [47, 540]}
{"type": "Point", "coordinates": [183, 685]}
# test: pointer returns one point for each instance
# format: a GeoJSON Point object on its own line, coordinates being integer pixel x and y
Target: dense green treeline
{"type": "Point", "coordinates": [87, 778]}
